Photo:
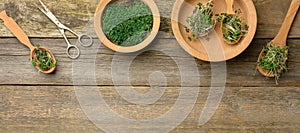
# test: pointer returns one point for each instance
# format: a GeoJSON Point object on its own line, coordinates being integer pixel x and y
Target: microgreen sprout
{"type": "Point", "coordinates": [273, 60]}
{"type": "Point", "coordinates": [232, 28]}
{"type": "Point", "coordinates": [202, 21]}
{"type": "Point", "coordinates": [42, 59]}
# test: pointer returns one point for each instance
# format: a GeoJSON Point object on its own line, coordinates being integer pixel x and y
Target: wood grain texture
{"type": "Point", "coordinates": [14, 56]}
{"type": "Point", "coordinates": [56, 109]}
{"type": "Point", "coordinates": [282, 35]}
{"type": "Point", "coordinates": [76, 13]}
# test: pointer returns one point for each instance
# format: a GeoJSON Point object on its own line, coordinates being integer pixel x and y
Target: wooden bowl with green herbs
{"type": "Point", "coordinates": [127, 25]}
{"type": "Point", "coordinates": [212, 47]}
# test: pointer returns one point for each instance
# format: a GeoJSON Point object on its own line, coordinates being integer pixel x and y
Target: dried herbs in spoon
{"type": "Point", "coordinates": [201, 22]}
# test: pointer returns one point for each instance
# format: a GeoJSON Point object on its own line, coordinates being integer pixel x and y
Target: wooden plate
{"type": "Point", "coordinates": [98, 27]}
{"type": "Point", "coordinates": [213, 48]}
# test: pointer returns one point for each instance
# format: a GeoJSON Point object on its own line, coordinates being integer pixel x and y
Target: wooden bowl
{"type": "Point", "coordinates": [213, 48]}
{"type": "Point", "coordinates": [98, 27]}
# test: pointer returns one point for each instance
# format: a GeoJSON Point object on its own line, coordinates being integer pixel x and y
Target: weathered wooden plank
{"type": "Point", "coordinates": [16, 69]}
{"type": "Point", "coordinates": [77, 13]}
{"type": "Point", "coordinates": [56, 109]}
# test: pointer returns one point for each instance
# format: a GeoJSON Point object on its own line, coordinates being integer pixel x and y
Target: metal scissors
{"type": "Point", "coordinates": [62, 28]}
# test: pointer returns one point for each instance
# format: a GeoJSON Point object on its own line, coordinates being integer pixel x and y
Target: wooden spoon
{"type": "Point", "coordinates": [229, 4]}
{"type": "Point", "coordinates": [281, 37]}
{"type": "Point", "coordinates": [23, 38]}
{"type": "Point", "coordinates": [230, 11]}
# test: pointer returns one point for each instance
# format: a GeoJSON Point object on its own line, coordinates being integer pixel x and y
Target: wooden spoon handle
{"type": "Point", "coordinates": [229, 4]}
{"type": "Point", "coordinates": [281, 37]}
{"type": "Point", "coordinates": [16, 30]}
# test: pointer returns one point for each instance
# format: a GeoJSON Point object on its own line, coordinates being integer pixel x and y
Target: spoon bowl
{"type": "Point", "coordinates": [264, 72]}
{"type": "Point", "coordinates": [230, 12]}
{"type": "Point", "coordinates": [32, 57]}
{"type": "Point", "coordinates": [226, 40]}
{"type": "Point", "coordinates": [23, 38]}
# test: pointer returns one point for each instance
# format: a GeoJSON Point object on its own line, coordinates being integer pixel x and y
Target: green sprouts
{"type": "Point", "coordinates": [232, 28]}
{"type": "Point", "coordinates": [42, 59]}
{"type": "Point", "coordinates": [273, 60]}
{"type": "Point", "coordinates": [201, 22]}
{"type": "Point", "coordinates": [128, 23]}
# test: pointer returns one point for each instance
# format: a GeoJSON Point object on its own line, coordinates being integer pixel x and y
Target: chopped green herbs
{"type": "Point", "coordinates": [127, 23]}
{"type": "Point", "coordinates": [201, 22]}
{"type": "Point", "coordinates": [42, 59]}
{"type": "Point", "coordinates": [274, 60]}
{"type": "Point", "coordinates": [232, 28]}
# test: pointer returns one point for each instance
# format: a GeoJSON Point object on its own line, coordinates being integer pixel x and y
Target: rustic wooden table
{"type": "Point", "coordinates": [34, 102]}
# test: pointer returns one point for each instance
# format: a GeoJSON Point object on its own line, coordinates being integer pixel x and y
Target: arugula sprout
{"type": "Point", "coordinates": [201, 22]}
{"type": "Point", "coordinates": [127, 23]}
{"type": "Point", "coordinates": [232, 28]}
{"type": "Point", "coordinates": [42, 59]}
{"type": "Point", "coordinates": [274, 60]}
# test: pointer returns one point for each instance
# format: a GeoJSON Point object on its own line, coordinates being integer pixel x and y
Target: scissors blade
{"type": "Point", "coordinates": [44, 6]}
{"type": "Point", "coordinates": [42, 10]}
{"type": "Point", "coordinates": [51, 16]}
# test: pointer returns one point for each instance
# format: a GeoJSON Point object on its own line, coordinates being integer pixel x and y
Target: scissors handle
{"type": "Point", "coordinates": [84, 43]}
{"type": "Point", "coordinates": [69, 50]}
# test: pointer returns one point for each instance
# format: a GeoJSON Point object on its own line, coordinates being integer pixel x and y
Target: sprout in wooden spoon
{"type": "Point", "coordinates": [232, 27]}
{"type": "Point", "coordinates": [273, 60]}
{"type": "Point", "coordinates": [201, 22]}
{"type": "Point", "coordinates": [42, 59]}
